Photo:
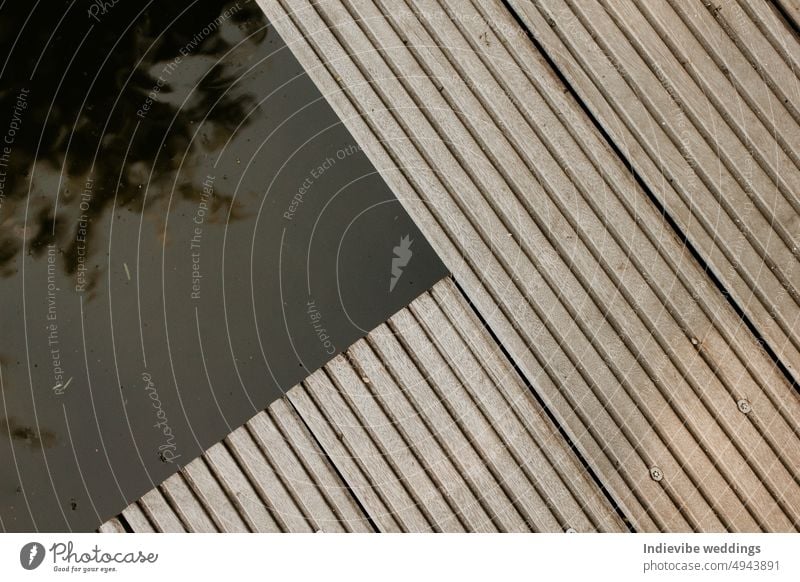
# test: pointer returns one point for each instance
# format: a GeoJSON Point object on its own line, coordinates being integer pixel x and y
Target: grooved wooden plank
{"type": "Point", "coordinates": [538, 511]}
{"type": "Point", "coordinates": [741, 219]}
{"type": "Point", "coordinates": [286, 463]}
{"type": "Point", "coordinates": [331, 440]}
{"type": "Point", "coordinates": [111, 526]}
{"type": "Point", "coordinates": [703, 485]}
{"type": "Point", "coordinates": [191, 512]}
{"type": "Point", "coordinates": [393, 446]}
{"type": "Point", "coordinates": [747, 34]}
{"type": "Point", "coordinates": [777, 30]}
{"type": "Point", "coordinates": [267, 482]}
{"type": "Point", "coordinates": [500, 373]}
{"type": "Point", "coordinates": [136, 518]}
{"type": "Point", "coordinates": [470, 452]}
{"type": "Point", "coordinates": [609, 319]}
{"type": "Point", "coordinates": [381, 469]}
{"type": "Point", "coordinates": [523, 448]}
{"type": "Point", "coordinates": [792, 10]}
{"type": "Point", "coordinates": [213, 498]}
{"type": "Point", "coordinates": [160, 513]}
{"type": "Point", "coordinates": [422, 437]}
{"type": "Point", "coordinates": [327, 481]}
{"type": "Point", "coordinates": [238, 487]}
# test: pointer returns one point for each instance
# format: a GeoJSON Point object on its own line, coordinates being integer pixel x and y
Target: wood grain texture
{"type": "Point", "coordinates": [570, 264]}
{"type": "Point", "coordinates": [581, 348]}
{"type": "Point", "coordinates": [702, 98]}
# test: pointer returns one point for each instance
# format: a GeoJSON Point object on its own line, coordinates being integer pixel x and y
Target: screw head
{"type": "Point", "coordinates": [744, 406]}
{"type": "Point", "coordinates": [570, 530]}
{"type": "Point", "coordinates": [656, 474]}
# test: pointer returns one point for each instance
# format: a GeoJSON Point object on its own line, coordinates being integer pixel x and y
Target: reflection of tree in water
{"type": "Point", "coordinates": [69, 132]}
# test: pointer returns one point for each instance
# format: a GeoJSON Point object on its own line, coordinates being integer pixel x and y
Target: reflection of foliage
{"type": "Point", "coordinates": [65, 135]}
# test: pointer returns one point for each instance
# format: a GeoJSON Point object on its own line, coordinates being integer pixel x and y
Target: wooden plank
{"type": "Point", "coordinates": [664, 126]}
{"type": "Point", "coordinates": [239, 489]}
{"type": "Point", "coordinates": [328, 483]}
{"type": "Point", "coordinates": [394, 448]}
{"type": "Point", "coordinates": [792, 10]}
{"type": "Point", "coordinates": [382, 473]}
{"type": "Point", "coordinates": [136, 519]}
{"type": "Point", "coordinates": [293, 474]}
{"type": "Point", "coordinates": [332, 442]}
{"type": "Point", "coordinates": [112, 526]}
{"type": "Point", "coordinates": [267, 483]}
{"type": "Point", "coordinates": [579, 493]}
{"type": "Point", "coordinates": [189, 509]}
{"type": "Point", "coordinates": [540, 514]}
{"type": "Point", "coordinates": [472, 452]}
{"type": "Point", "coordinates": [608, 329]}
{"type": "Point", "coordinates": [440, 459]}
{"type": "Point", "coordinates": [213, 497]}
{"type": "Point", "coordinates": [159, 512]}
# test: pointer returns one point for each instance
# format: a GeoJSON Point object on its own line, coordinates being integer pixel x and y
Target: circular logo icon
{"type": "Point", "coordinates": [31, 555]}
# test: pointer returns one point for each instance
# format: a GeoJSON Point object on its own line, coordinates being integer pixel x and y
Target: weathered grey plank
{"type": "Point", "coordinates": [572, 482]}
{"type": "Point", "coordinates": [393, 447]}
{"type": "Point", "coordinates": [239, 489]}
{"type": "Point", "coordinates": [610, 320]}
{"type": "Point", "coordinates": [191, 512]}
{"type": "Point", "coordinates": [306, 494]}
{"type": "Point", "coordinates": [112, 526]}
{"type": "Point", "coordinates": [320, 470]}
{"type": "Point", "coordinates": [267, 483]}
{"type": "Point", "coordinates": [613, 339]}
{"type": "Point", "coordinates": [332, 441]}
{"type": "Point", "coordinates": [381, 469]}
{"type": "Point", "coordinates": [425, 438]}
{"type": "Point", "coordinates": [735, 201]}
{"type": "Point", "coordinates": [159, 512]}
{"type": "Point", "coordinates": [136, 518]}
{"type": "Point", "coordinates": [213, 498]}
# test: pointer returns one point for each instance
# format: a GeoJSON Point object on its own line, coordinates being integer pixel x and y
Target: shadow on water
{"type": "Point", "coordinates": [87, 92]}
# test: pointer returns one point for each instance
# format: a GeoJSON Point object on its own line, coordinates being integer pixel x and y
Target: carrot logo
{"type": "Point", "coordinates": [402, 255]}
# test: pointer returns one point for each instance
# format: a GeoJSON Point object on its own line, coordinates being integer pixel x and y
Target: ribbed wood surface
{"type": "Point", "coordinates": [401, 433]}
{"type": "Point", "coordinates": [582, 370]}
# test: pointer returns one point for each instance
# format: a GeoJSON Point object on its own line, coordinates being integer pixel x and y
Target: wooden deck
{"type": "Point", "coordinates": [615, 187]}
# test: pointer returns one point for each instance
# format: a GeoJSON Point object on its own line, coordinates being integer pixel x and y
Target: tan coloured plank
{"type": "Point", "coordinates": [332, 441]}
{"type": "Point", "coordinates": [398, 451]}
{"type": "Point", "coordinates": [475, 344]}
{"type": "Point", "coordinates": [191, 511]}
{"type": "Point", "coordinates": [159, 512]}
{"type": "Point", "coordinates": [213, 497]}
{"type": "Point", "coordinates": [383, 473]}
{"type": "Point", "coordinates": [710, 197]}
{"type": "Point", "coordinates": [361, 93]}
{"type": "Point", "coordinates": [304, 491]}
{"type": "Point", "coordinates": [137, 520]}
{"type": "Point", "coordinates": [267, 482]}
{"type": "Point", "coordinates": [328, 483]}
{"type": "Point", "coordinates": [239, 488]}
{"type": "Point", "coordinates": [441, 459]}
{"type": "Point", "coordinates": [112, 526]}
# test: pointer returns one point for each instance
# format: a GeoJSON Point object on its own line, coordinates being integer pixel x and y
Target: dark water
{"type": "Point", "coordinates": [186, 231]}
